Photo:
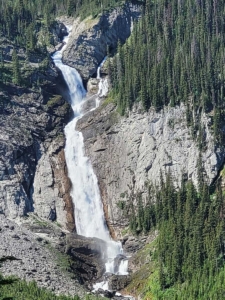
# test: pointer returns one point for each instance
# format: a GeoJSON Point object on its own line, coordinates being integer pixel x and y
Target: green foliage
{"type": "Point", "coordinates": [121, 204]}
{"type": "Point", "coordinates": [143, 217]}
{"type": "Point", "coordinates": [84, 8]}
{"type": "Point", "coordinates": [140, 278]}
{"type": "Point", "coordinates": [12, 288]}
{"type": "Point", "coordinates": [29, 24]}
{"type": "Point", "coordinates": [54, 100]}
{"type": "Point", "coordinates": [16, 68]}
{"type": "Point", "coordinates": [190, 246]}
{"type": "Point", "coordinates": [20, 290]}
{"type": "Point", "coordinates": [6, 73]}
{"type": "Point", "coordinates": [108, 100]}
{"type": "Point", "coordinates": [22, 19]}
{"type": "Point", "coordinates": [175, 54]}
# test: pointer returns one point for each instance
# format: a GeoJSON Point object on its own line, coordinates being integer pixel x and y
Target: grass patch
{"type": "Point", "coordinates": [125, 231]}
{"type": "Point", "coordinates": [54, 101]}
{"type": "Point", "coordinates": [63, 260]}
{"type": "Point", "coordinates": [90, 22]}
{"type": "Point", "coordinates": [108, 100]}
{"type": "Point", "coordinates": [20, 290]}
{"type": "Point", "coordinates": [39, 222]}
{"type": "Point", "coordinates": [58, 224]}
{"type": "Point", "coordinates": [144, 259]}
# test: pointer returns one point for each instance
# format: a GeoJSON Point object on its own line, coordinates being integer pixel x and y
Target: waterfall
{"type": "Point", "coordinates": [99, 68]}
{"type": "Point", "coordinates": [123, 267]}
{"type": "Point", "coordinates": [103, 86]}
{"type": "Point", "coordinates": [89, 215]}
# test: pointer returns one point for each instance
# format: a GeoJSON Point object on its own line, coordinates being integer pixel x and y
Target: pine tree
{"type": "Point", "coordinates": [16, 68]}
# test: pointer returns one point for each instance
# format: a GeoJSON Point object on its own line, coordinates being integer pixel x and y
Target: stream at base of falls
{"type": "Point", "coordinates": [89, 215]}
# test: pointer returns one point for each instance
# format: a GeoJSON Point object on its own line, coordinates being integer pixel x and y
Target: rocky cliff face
{"type": "Point", "coordinates": [129, 152]}
{"type": "Point", "coordinates": [31, 154]}
{"type": "Point", "coordinates": [51, 187]}
{"type": "Point", "coordinates": [33, 173]}
{"type": "Point", "coordinates": [91, 38]}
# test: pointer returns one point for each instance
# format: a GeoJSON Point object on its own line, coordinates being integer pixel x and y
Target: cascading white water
{"type": "Point", "coordinates": [123, 267]}
{"type": "Point", "coordinates": [103, 86]}
{"type": "Point", "coordinates": [89, 215]}
{"type": "Point", "coordinates": [99, 68]}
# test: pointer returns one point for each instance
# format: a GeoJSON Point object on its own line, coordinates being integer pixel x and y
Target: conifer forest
{"type": "Point", "coordinates": [174, 56]}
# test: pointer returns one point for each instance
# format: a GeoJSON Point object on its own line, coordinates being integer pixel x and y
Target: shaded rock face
{"type": "Point", "coordinates": [58, 32]}
{"type": "Point", "coordinates": [91, 37]}
{"type": "Point", "coordinates": [51, 187]}
{"type": "Point", "coordinates": [128, 152]}
{"type": "Point", "coordinates": [118, 282]}
{"type": "Point", "coordinates": [31, 123]}
{"type": "Point", "coordinates": [132, 244]}
{"type": "Point", "coordinates": [87, 256]}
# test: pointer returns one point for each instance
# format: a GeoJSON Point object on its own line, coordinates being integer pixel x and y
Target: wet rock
{"type": "Point", "coordinates": [92, 85]}
{"type": "Point", "coordinates": [117, 261]}
{"type": "Point", "coordinates": [107, 294]}
{"type": "Point", "coordinates": [89, 104]}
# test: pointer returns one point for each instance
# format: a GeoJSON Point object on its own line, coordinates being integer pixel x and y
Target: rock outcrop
{"type": "Point", "coordinates": [129, 152]}
{"type": "Point", "coordinates": [51, 187]}
{"type": "Point", "coordinates": [118, 282]}
{"type": "Point", "coordinates": [31, 134]}
{"type": "Point", "coordinates": [87, 256]}
{"type": "Point", "coordinates": [91, 38]}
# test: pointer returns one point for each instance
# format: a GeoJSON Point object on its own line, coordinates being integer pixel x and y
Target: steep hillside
{"type": "Point", "coordinates": [156, 143]}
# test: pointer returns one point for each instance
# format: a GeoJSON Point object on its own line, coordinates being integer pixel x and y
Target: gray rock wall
{"type": "Point", "coordinates": [31, 151]}
{"type": "Point", "coordinates": [90, 38]}
{"type": "Point", "coordinates": [51, 187]}
{"type": "Point", "coordinates": [128, 152]}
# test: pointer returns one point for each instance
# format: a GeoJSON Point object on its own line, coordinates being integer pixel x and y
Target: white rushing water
{"type": "Point", "coordinates": [89, 215]}
{"type": "Point", "coordinates": [103, 86]}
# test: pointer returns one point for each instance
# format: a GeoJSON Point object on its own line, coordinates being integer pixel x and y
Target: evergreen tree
{"type": "Point", "coordinates": [16, 68]}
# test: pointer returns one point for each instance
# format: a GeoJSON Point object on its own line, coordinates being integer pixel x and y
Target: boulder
{"type": "Point", "coordinates": [86, 254]}
{"type": "Point", "coordinates": [118, 282]}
